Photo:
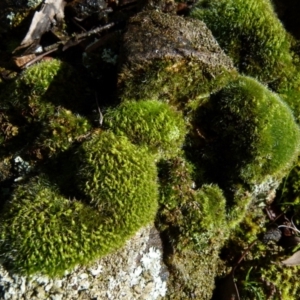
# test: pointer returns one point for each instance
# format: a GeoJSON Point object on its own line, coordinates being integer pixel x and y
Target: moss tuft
{"type": "Point", "coordinates": [43, 87]}
{"type": "Point", "coordinates": [43, 232]}
{"type": "Point", "coordinates": [119, 179]}
{"type": "Point", "coordinates": [43, 103]}
{"type": "Point", "coordinates": [150, 124]}
{"type": "Point", "coordinates": [63, 129]}
{"type": "Point", "coordinates": [251, 34]}
{"type": "Point", "coordinates": [255, 130]}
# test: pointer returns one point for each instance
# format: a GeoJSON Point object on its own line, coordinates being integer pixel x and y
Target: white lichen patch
{"type": "Point", "coordinates": [134, 272]}
{"type": "Point", "coordinates": [264, 192]}
{"type": "Point", "coordinates": [34, 3]}
{"type": "Point", "coordinates": [109, 57]}
{"type": "Point", "coordinates": [10, 17]}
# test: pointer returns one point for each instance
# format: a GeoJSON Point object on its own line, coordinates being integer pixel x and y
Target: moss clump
{"type": "Point", "coordinates": [40, 89]}
{"type": "Point", "coordinates": [43, 232]}
{"type": "Point", "coordinates": [251, 34]}
{"type": "Point", "coordinates": [176, 183]}
{"type": "Point", "coordinates": [151, 124]}
{"type": "Point", "coordinates": [63, 128]}
{"type": "Point", "coordinates": [119, 179]}
{"type": "Point", "coordinates": [162, 60]}
{"type": "Point", "coordinates": [194, 226]}
{"type": "Point", "coordinates": [284, 281]}
{"type": "Point", "coordinates": [255, 130]}
{"type": "Point", "coordinates": [43, 104]}
{"type": "Point", "coordinates": [260, 274]}
{"type": "Point", "coordinates": [7, 129]}
{"type": "Point", "coordinates": [197, 231]}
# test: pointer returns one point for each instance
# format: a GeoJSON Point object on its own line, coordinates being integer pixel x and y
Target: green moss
{"type": "Point", "coordinates": [43, 103]}
{"type": "Point", "coordinates": [7, 129]}
{"type": "Point", "coordinates": [150, 124]}
{"type": "Point", "coordinates": [289, 190]}
{"type": "Point", "coordinates": [283, 279]}
{"type": "Point", "coordinates": [63, 129]}
{"type": "Point", "coordinates": [163, 61]}
{"type": "Point", "coordinates": [255, 130]}
{"type": "Point", "coordinates": [175, 178]}
{"type": "Point", "coordinates": [251, 34]}
{"type": "Point", "coordinates": [238, 207]}
{"type": "Point", "coordinates": [44, 86]}
{"type": "Point", "coordinates": [43, 232]}
{"type": "Point", "coordinates": [260, 274]}
{"type": "Point", "coordinates": [119, 179]}
{"type": "Point", "coordinates": [194, 226]}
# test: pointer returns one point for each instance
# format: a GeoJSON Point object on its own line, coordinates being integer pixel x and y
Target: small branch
{"type": "Point", "coordinates": [38, 58]}
{"type": "Point", "coordinates": [79, 37]}
{"type": "Point", "coordinates": [243, 256]}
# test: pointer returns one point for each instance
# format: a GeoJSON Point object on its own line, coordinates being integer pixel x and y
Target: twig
{"type": "Point", "coordinates": [237, 264]}
{"type": "Point", "coordinates": [38, 58]}
{"type": "Point", "coordinates": [243, 256]}
{"type": "Point", "coordinates": [75, 40]}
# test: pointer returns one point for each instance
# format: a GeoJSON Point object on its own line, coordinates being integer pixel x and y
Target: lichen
{"type": "Point", "coordinates": [33, 3]}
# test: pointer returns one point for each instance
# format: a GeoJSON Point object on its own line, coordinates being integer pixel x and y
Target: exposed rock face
{"type": "Point", "coordinates": [171, 58]}
{"type": "Point", "coordinates": [134, 272]}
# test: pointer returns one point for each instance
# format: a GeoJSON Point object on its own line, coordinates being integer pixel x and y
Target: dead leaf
{"type": "Point", "coordinates": [23, 60]}
{"type": "Point", "coordinates": [294, 260]}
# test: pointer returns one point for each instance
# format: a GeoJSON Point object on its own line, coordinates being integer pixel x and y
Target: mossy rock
{"type": "Point", "coordinates": [119, 179]}
{"type": "Point", "coordinates": [151, 124]}
{"type": "Point", "coordinates": [169, 58]}
{"type": "Point", "coordinates": [253, 135]}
